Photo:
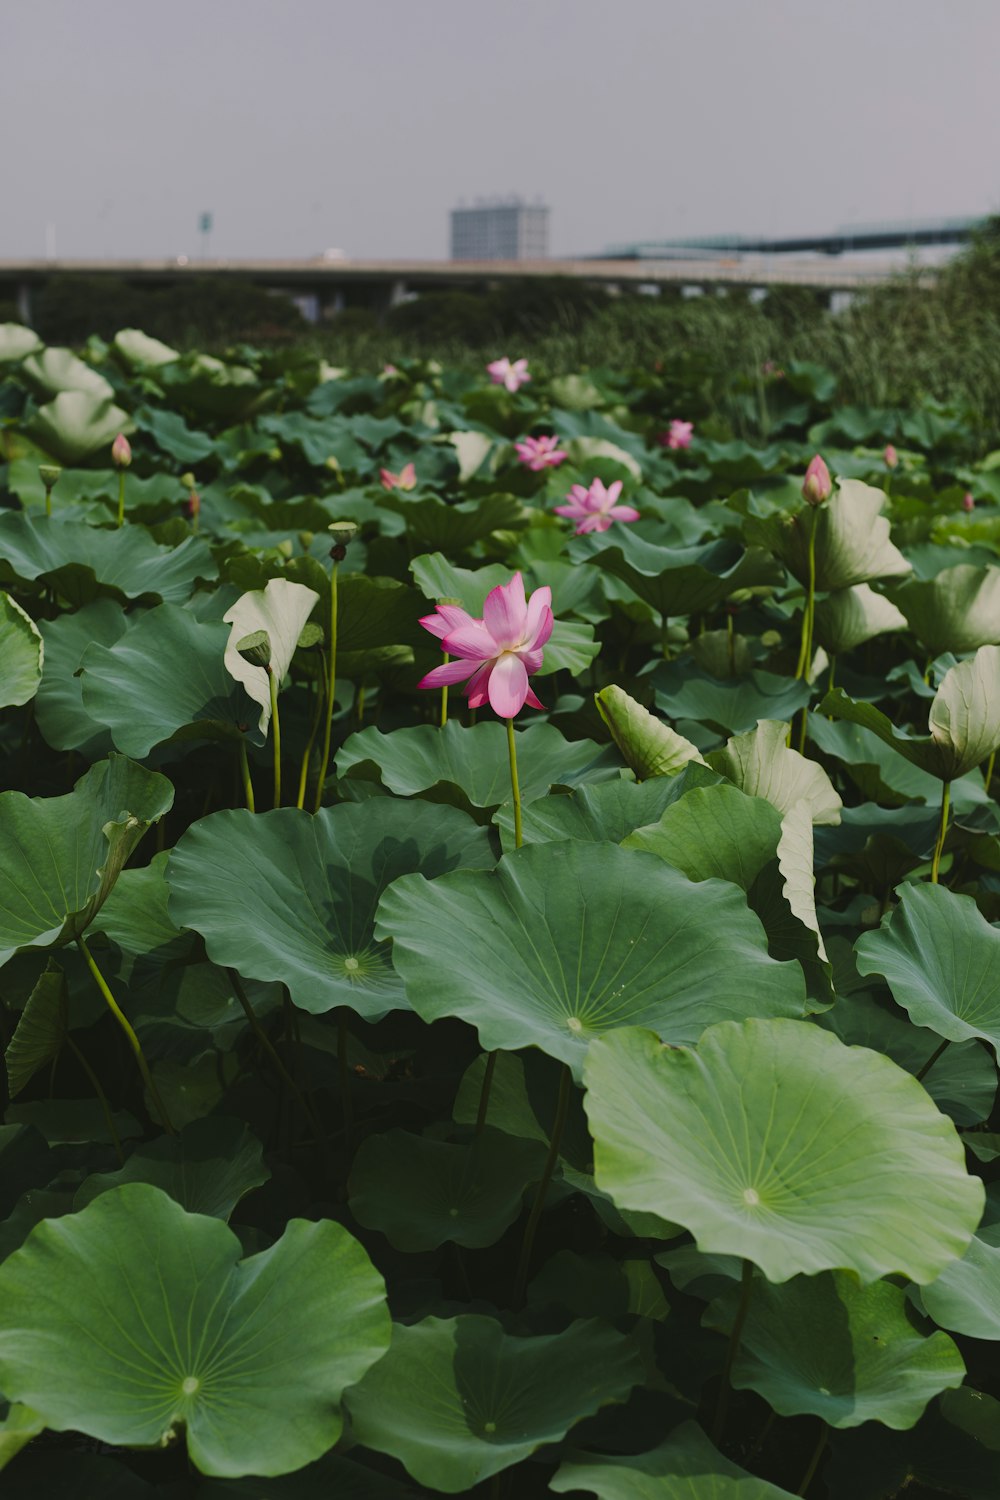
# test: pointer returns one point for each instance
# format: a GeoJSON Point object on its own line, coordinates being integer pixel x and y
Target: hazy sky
{"type": "Point", "coordinates": [304, 124]}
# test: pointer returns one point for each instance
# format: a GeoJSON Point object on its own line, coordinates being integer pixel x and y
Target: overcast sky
{"type": "Point", "coordinates": [307, 124]}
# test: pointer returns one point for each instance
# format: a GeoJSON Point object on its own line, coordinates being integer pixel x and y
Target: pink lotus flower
{"type": "Point", "coordinates": [595, 508]}
{"type": "Point", "coordinates": [389, 370]}
{"type": "Point", "coordinates": [510, 376]}
{"type": "Point", "coordinates": [891, 456]}
{"type": "Point", "coordinates": [817, 484]}
{"type": "Point", "coordinates": [406, 479]}
{"type": "Point", "coordinates": [968, 501]}
{"type": "Point", "coordinates": [497, 653]}
{"type": "Point", "coordinates": [540, 452]}
{"type": "Point", "coordinates": [678, 435]}
{"type": "Point", "coordinates": [121, 452]}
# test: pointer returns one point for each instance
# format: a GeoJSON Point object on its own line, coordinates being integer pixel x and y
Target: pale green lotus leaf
{"type": "Point", "coordinates": [850, 617]}
{"type": "Point", "coordinates": [795, 861]}
{"type": "Point", "coordinates": [852, 539]}
{"type": "Point", "coordinates": [52, 371]}
{"type": "Point", "coordinates": [22, 653]}
{"type": "Point", "coordinates": [685, 1467]}
{"type": "Point", "coordinates": [75, 424]}
{"type": "Point", "coordinates": [761, 764]}
{"type": "Point", "coordinates": [281, 609]}
{"type": "Point", "coordinates": [140, 351]}
{"type": "Point", "coordinates": [16, 342]}
{"type": "Point", "coordinates": [648, 745]}
{"type": "Point", "coordinates": [958, 610]}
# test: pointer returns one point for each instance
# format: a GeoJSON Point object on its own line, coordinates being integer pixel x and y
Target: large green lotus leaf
{"type": "Point", "coordinates": [132, 1317]}
{"type": "Point", "coordinates": [422, 1193]}
{"type": "Point", "coordinates": [206, 1168]}
{"type": "Point", "coordinates": [852, 539]}
{"type": "Point", "coordinates": [649, 747]}
{"type": "Point", "coordinates": [872, 764]}
{"type": "Point", "coordinates": [318, 441]}
{"type": "Point", "coordinates": [850, 617]}
{"type": "Point", "coordinates": [76, 424]}
{"type": "Point", "coordinates": [733, 706]}
{"type": "Point", "coordinates": [761, 764]}
{"type": "Point", "coordinates": [173, 436]}
{"type": "Point", "coordinates": [18, 1425]}
{"type": "Point", "coordinates": [564, 942]}
{"type": "Point", "coordinates": [16, 342]}
{"type": "Point", "coordinates": [433, 523]}
{"type": "Point", "coordinates": [796, 858]}
{"type": "Point", "coordinates": [470, 766]}
{"type": "Point", "coordinates": [60, 856]}
{"type": "Point", "coordinates": [680, 580]}
{"type": "Point", "coordinates": [280, 609]}
{"type": "Point", "coordinates": [685, 1467]}
{"type": "Point", "coordinates": [457, 1400]}
{"type": "Point", "coordinates": [966, 1296]}
{"type": "Point", "coordinates": [207, 386]}
{"type": "Point", "coordinates": [55, 370]}
{"type": "Point", "coordinates": [140, 351]}
{"type": "Point", "coordinates": [289, 897]}
{"type": "Point", "coordinates": [714, 832]}
{"type": "Point", "coordinates": [80, 561]}
{"type": "Point", "coordinates": [59, 709]}
{"type": "Point", "coordinates": [605, 813]}
{"type": "Point", "coordinates": [964, 718]}
{"type": "Point", "coordinates": [958, 611]}
{"type": "Point", "coordinates": [942, 961]}
{"type": "Point", "coordinates": [600, 1286]}
{"type": "Point", "coordinates": [775, 1142]}
{"type": "Point", "coordinates": [40, 1031]}
{"type": "Point", "coordinates": [21, 653]}
{"type": "Point", "coordinates": [166, 679]}
{"type": "Point", "coordinates": [837, 1349]}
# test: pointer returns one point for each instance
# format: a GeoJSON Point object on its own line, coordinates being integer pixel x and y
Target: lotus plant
{"type": "Point", "coordinates": [510, 376]}
{"type": "Point", "coordinates": [121, 457]}
{"type": "Point", "coordinates": [594, 508]}
{"type": "Point", "coordinates": [406, 479]}
{"type": "Point", "coordinates": [538, 453]}
{"type": "Point", "coordinates": [816, 488]}
{"type": "Point", "coordinates": [678, 435]}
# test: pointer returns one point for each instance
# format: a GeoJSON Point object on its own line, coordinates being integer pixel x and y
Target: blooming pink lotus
{"type": "Point", "coordinates": [679, 435]}
{"type": "Point", "coordinates": [510, 376]}
{"type": "Point", "coordinates": [406, 479]}
{"type": "Point", "coordinates": [497, 653]}
{"type": "Point", "coordinates": [817, 484]}
{"type": "Point", "coordinates": [595, 508]}
{"type": "Point", "coordinates": [540, 452]}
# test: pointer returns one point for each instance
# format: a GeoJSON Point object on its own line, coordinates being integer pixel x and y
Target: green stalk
{"type": "Point", "coordinates": [444, 697]}
{"type": "Point", "coordinates": [265, 1042]}
{"type": "Point", "coordinates": [527, 1244]}
{"type": "Point", "coordinates": [805, 648]}
{"type": "Point", "coordinates": [484, 1092]}
{"type": "Point", "coordinates": [735, 1334]}
{"type": "Point", "coordinates": [807, 1478]}
{"type": "Point", "coordinates": [121, 497]}
{"type": "Point", "coordinates": [331, 682]}
{"type": "Point", "coordinates": [942, 831]}
{"type": "Point", "coordinates": [932, 1060]}
{"type": "Point", "coordinates": [126, 1026]}
{"type": "Point", "coordinates": [989, 770]}
{"type": "Point", "coordinates": [515, 788]}
{"type": "Point", "coordinates": [313, 731]}
{"type": "Point", "coordinates": [276, 728]}
{"type": "Point", "coordinates": [245, 775]}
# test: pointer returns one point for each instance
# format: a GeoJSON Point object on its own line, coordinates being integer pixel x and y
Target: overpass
{"type": "Point", "coordinates": [338, 282]}
{"type": "Point", "coordinates": [915, 234]}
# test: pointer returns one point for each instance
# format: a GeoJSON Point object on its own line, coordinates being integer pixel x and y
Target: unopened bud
{"type": "Point", "coordinates": [306, 539]}
{"type": "Point", "coordinates": [968, 501]}
{"type": "Point", "coordinates": [891, 456]}
{"type": "Point", "coordinates": [121, 452]}
{"type": "Point", "coordinates": [256, 648]}
{"type": "Point", "coordinates": [817, 484]}
{"type": "Point", "coordinates": [192, 506]}
{"type": "Point", "coordinates": [188, 480]}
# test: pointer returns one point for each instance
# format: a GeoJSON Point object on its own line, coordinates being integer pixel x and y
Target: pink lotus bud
{"type": "Point", "coordinates": [891, 456]}
{"type": "Point", "coordinates": [817, 484]}
{"type": "Point", "coordinates": [192, 505]}
{"type": "Point", "coordinates": [121, 452]}
{"type": "Point", "coordinates": [968, 501]}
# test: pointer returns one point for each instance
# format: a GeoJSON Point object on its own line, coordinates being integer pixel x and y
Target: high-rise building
{"type": "Point", "coordinates": [500, 229]}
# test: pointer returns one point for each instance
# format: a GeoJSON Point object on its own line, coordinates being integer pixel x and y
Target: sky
{"type": "Point", "coordinates": [358, 124]}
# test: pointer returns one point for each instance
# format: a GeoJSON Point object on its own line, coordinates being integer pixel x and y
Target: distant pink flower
{"type": "Point", "coordinates": [595, 508]}
{"type": "Point", "coordinates": [540, 452]}
{"type": "Point", "coordinates": [510, 376]}
{"type": "Point", "coordinates": [891, 456]}
{"type": "Point", "coordinates": [817, 484]}
{"type": "Point", "coordinates": [679, 435]}
{"type": "Point", "coordinates": [968, 501]}
{"type": "Point", "coordinates": [406, 479]}
{"type": "Point", "coordinates": [389, 370]}
{"type": "Point", "coordinates": [498, 653]}
{"type": "Point", "coordinates": [121, 452]}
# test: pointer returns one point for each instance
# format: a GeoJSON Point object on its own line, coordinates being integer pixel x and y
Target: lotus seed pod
{"type": "Point", "coordinates": [49, 473]}
{"type": "Point", "coordinates": [255, 648]}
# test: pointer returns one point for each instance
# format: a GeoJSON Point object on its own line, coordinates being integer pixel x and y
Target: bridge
{"type": "Point", "coordinates": [333, 283]}
{"type": "Point", "coordinates": [907, 235]}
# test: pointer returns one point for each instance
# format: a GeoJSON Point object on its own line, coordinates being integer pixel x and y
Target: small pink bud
{"type": "Point", "coordinates": [968, 501]}
{"type": "Point", "coordinates": [192, 505]}
{"type": "Point", "coordinates": [121, 452]}
{"type": "Point", "coordinates": [891, 456]}
{"type": "Point", "coordinates": [817, 484]}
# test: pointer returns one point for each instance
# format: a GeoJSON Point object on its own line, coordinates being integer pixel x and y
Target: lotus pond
{"type": "Point", "coordinates": [411, 1090]}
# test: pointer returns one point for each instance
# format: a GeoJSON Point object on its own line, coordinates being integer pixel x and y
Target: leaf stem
{"type": "Point", "coordinates": [805, 647]}
{"type": "Point", "coordinates": [484, 1092]}
{"type": "Point", "coordinates": [807, 1478]}
{"type": "Point", "coordinates": [130, 1035]}
{"type": "Point", "coordinates": [245, 775]}
{"type": "Point", "coordinates": [346, 1100]}
{"type": "Point", "coordinates": [735, 1334]}
{"type": "Point", "coordinates": [555, 1141]}
{"type": "Point", "coordinates": [989, 770]}
{"type": "Point", "coordinates": [514, 786]}
{"type": "Point", "coordinates": [109, 1118]}
{"type": "Point", "coordinates": [313, 731]}
{"type": "Point", "coordinates": [268, 1046]}
{"type": "Point", "coordinates": [942, 831]}
{"type": "Point", "coordinates": [331, 687]}
{"type": "Point", "coordinates": [276, 735]}
{"type": "Point", "coordinates": [932, 1060]}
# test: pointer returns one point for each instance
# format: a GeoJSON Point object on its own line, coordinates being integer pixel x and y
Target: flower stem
{"type": "Point", "coordinates": [331, 684]}
{"type": "Point", "coordinates": [942, 831]}
{"type": "Point", "coordinates": [484, 1092]}
{"type": "Point", "coordinates": [555, 1141]}
{"type": "Point", "coordinates": [245, 775]}
{"type": "Point", "coordinates": [276, 732]}
{"type": "Point", "coordinates": [514, 786]}
{"type": "Point", "coordinates": [126, 1026]}
{"type": "Point", "coordinates": [121, 497]}
{"type": "Point", "coordinates": [735, 1334]}
{"type": "Point", "coordinates": [808, 1476]}
{"type": "Point", "coordinates": [805, 648]}
{"type": "Point", "coordinates": [444, 697]}
{"type": "Point", "coordinates": [313, 731]}
{"type": "Point", "coordinates": [989, 771]}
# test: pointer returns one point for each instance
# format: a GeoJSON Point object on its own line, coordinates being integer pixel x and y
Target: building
{"type": "Point", "coordinates": [500, 229]}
